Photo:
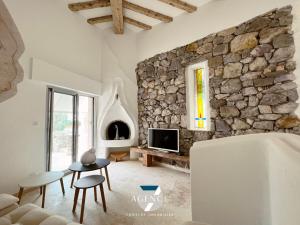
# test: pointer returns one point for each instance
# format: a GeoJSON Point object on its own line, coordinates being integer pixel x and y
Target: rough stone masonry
{"type": "Point", "coordinates": [251, 80]}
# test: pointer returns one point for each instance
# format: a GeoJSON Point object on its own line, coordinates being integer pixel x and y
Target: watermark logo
{"type": "Point", "coordinates": [150, 197]}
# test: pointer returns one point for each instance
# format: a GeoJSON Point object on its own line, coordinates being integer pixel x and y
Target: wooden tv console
{"type": "Point", "coordinates": [149, 153]}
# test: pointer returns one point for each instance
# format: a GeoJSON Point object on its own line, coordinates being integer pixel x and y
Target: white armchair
{"type": "Point", "coordinates": [29, 214]}
{"type": "Point", "coordinates": [7, 204]}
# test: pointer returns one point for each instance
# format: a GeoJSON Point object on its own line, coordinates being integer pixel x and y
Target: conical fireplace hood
{"type": "Point", "coordinates": [116, 110]}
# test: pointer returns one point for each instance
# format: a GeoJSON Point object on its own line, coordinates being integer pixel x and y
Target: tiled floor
{"type": "Point", "coordinates": [126, 178]}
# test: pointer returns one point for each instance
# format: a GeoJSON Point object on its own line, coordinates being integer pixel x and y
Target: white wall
{"type": "Point", "coordinates": [284, 167]}
{"type": "Point", "coordinates": [119, 61]}
{"type": "Point", "coordinates": [248, 179]}
{"type": "Point", "coordinates": [229, 182]}
{"type": "Point", "coordinates": [212, 17]}
{"type": "Point", "coordinates": [52, 33]}
{"type": "Point", "coordinates": [58, 36]}
{"type": "Point", "coordinates": [56, 76]}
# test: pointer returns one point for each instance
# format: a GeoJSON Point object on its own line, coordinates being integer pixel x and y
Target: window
{"type": "Point", "coordinates": [70, 127]}
{"type": "Point", "coordinates": [197, 77]}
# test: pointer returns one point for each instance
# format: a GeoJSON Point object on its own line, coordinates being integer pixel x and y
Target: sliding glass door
{"type": "Point", "coordinates": [63, 127]}
{"type": "Point", "coordinates": [85, 124]}
{"type": "Point", "coordinates": [70, 130]}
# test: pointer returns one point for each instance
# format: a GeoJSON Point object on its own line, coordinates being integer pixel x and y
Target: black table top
{"type": "Point", "coordinates": [78, 167]}
{"type": "Point", "coordinates": [89, 181]}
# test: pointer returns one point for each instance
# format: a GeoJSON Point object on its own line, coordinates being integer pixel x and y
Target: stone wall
{"type": "Point", "coordinates": [250, 79]}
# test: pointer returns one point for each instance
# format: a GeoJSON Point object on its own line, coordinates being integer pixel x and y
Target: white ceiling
{"type": "Point", "coordinates": [151, 4]}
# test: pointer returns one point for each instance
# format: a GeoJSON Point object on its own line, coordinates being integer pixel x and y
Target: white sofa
{"type": "Point", "coordinates": [29, 214]}
{"type": "Point", "coordinates": [247, 180]}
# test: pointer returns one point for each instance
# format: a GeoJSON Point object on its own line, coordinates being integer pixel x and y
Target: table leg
{"type": "Point", "coordinates": [41, 190]}
{"type": "Point", "coordinates": [147, 160]}
{"type": "Point", "coordinates": [82, 206]}
{"type": "Point", "coordinates": [62, 185]}
{"type": "Point", "coordinates": [107, 178]}
{"type": "Point", "coordinates": [103, 197]}
{"type": "Point", "coordinates": [43, 197]}
{"type": "Point", "coordinates": [20, 194]}
{"type": "Point", "coordinates": [95, 193]}
{"type": "Point", "coordinates": [75, 199]}
{"type": "Point", "coordinates": [73, 177]}
{"type": "Point", "coordinates": [78, 175]}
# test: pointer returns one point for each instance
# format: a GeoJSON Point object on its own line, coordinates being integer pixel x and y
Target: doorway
{"type": "Point", "coordinates": [70, 127]}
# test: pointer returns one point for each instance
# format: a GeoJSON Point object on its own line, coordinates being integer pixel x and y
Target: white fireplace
{"type": "Point", "coordinates": [116, 124]}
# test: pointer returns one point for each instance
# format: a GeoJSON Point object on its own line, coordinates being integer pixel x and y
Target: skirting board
{"type": "Point", "coordinates": [155, 163]}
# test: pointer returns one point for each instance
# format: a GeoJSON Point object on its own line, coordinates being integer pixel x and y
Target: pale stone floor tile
{"type": "Point", "coordinates": [125, 179]}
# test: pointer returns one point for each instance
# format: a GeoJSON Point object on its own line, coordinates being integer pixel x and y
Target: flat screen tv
{"type": "Point", "coordinates": [163, 139]}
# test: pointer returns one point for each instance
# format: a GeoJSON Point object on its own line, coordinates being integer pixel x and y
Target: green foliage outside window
{"type": "Point", "coordinates": [62, 121]}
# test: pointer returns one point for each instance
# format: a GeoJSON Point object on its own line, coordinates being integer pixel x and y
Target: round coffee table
{"type": "Point", "coordinates": [78, 168]}
{"type": "Point", "coordinates": [85, 183]}
{"type": "Point", "coordinates": [41, 180]}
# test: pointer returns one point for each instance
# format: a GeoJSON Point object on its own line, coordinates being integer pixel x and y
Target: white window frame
{"type": "Point", "coordinates": [191, 97]}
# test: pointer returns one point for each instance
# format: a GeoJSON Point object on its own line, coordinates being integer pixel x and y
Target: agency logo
{"type": "Point", "coordinates": [150, 197]}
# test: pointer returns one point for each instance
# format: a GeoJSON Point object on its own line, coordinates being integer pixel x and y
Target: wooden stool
{"type": "Point", "coordinates": [88, 182]}
{"type": "Point", "coordinates": [78, 168]}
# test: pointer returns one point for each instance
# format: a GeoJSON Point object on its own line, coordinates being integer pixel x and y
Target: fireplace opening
{"type": "Point", "coordinates": [117, 130]}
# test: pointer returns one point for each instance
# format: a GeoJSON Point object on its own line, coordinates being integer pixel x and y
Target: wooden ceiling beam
{"type": "Point", "coordinates": [75, 7]}
{"type": "Point", "coordinates": [101, 19]}
{"type": "Point", "coordinates": [137, 23]}
{"type": "Point", "coordinates": [181, 5]}
{"type": "Point", "coordinates": [109, 18]}
{"type": "Point", "coordinates": [117, 15]}
{"type": "Point", "coordinates": [147, 12]}
{"type": "Point", "coordinates": [88, 5]}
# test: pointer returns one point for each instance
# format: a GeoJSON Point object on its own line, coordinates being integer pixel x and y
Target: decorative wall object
{"type": "Point", "coordinates": [89, 157]}
{"type": "Point", "coordinates": [251, 82]}
{"type": "Point", "coordinates": [11, 48]}
{"type": "Point", "coordinates": [197, 96]}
